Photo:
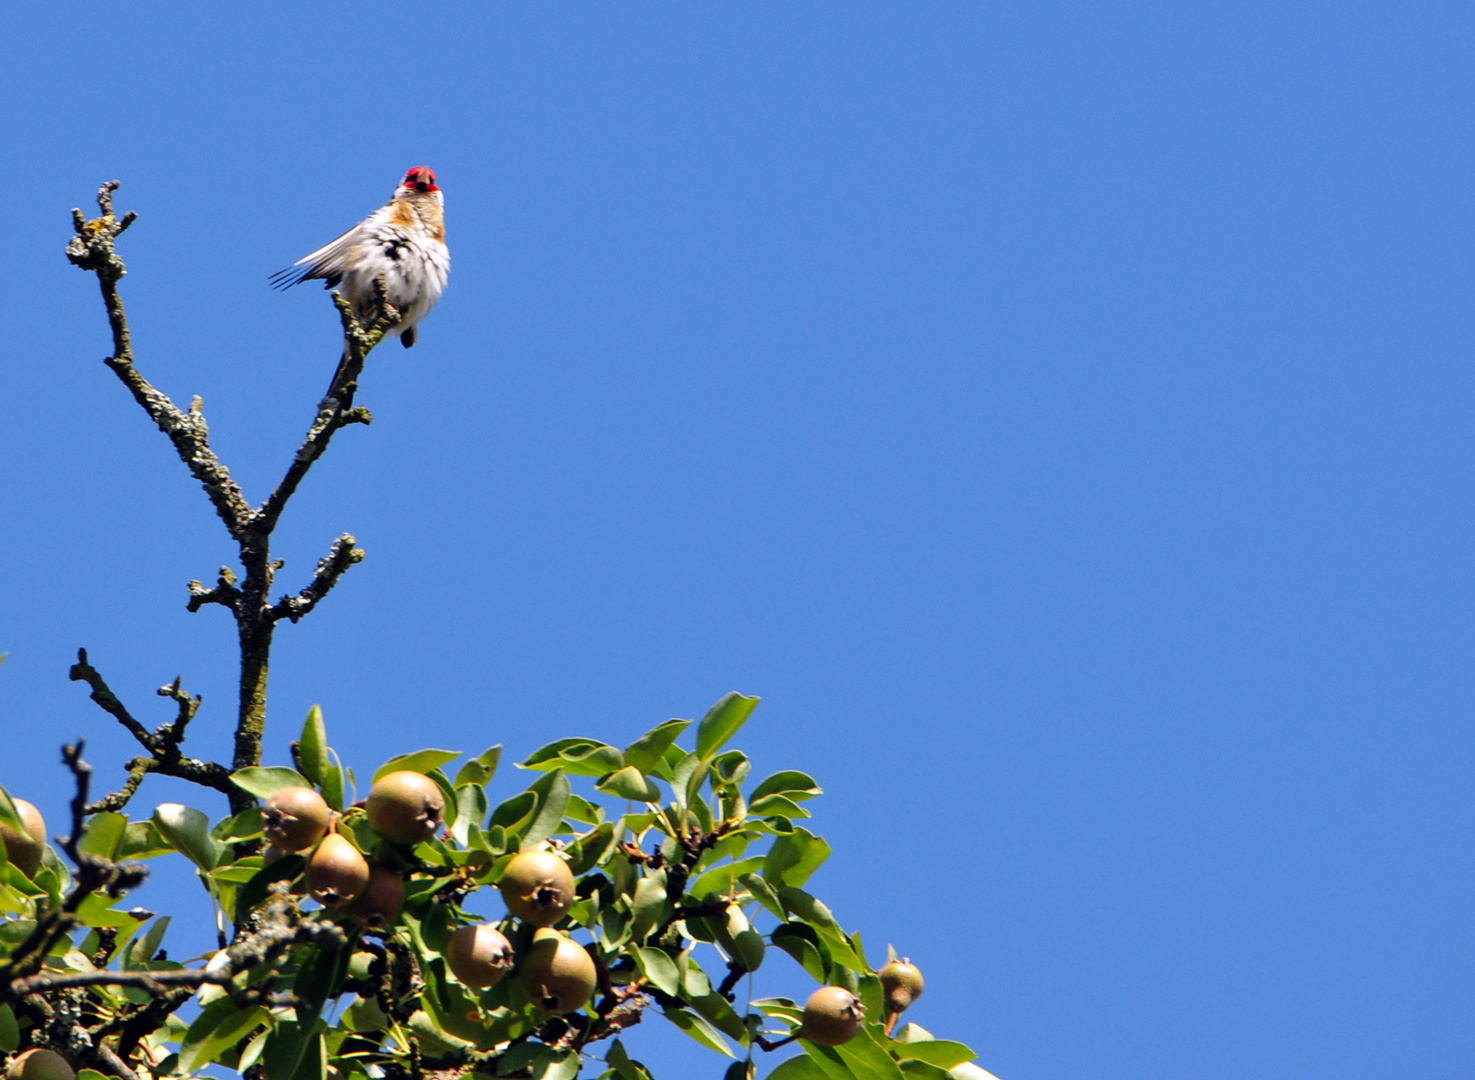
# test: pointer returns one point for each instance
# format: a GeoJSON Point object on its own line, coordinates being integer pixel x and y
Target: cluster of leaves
{"type": "Point", "coordinates": [673, 886]}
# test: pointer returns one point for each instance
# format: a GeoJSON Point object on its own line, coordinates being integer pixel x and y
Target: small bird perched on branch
{"type": "Point", "coordinates": [403, 242]}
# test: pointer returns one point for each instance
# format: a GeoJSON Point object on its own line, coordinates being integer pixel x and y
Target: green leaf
{"type": "Point", "coordinates": [648, 905]}
{"type": "Point", "coordinates": [219, 1026]}
{"type": "Point", "coordinates": [722, 722]}
{"type": "Point", "coordinates": [552, 792]}
{"type": "Point", "coordinates": [731, 769]}
{"type": "Point", "coordinates": [312, 748]}
{"type": "Point", "coordinates": [699, 1029]}
{"type": "Point", "coordinates": [764, 894]}
{"type": "Point", "coordinates": [798, 1068]}
{"type": "Point", "coordinates": [940, 1052]}
{"type": "Point", "coordinates": [630, 783]}
{"type": "Point", "coordinates": [515, 812]}
{"type": "Point", "coordinates": [9, 816]}
{"type": "Point", "coordinates": [141, 840]}
{"type": "Point", "coordinates": [481, 768]}
{"type": "Point", "coordinates": [333, 786]}
{"type": "Point", "coordinates": [719, 880]}
{"type": "Point", "coordinates": [188, 830]}
{"type": "Point", "coordinates": [777, 806]}
{"type": "Point", "coordinates": [103, 834]}
{"type": "Point", "coordinates": [471, 807]}
{"type": "Point", "coordinates": [252, 1054]}
{"type": "Point", "coordinates": [741, 1070]}
{"type": "Point", "coordinates": [660, 969]}
{"type": "Point", "coordinates": [421, 761]}
{"type": "Point", "coordinates": [737, 936]}
{"type": "Point", "coordinates": [577, 757]}
{"type": "Point", "coordinates": [592, 848]}
{"type": "Point", "coordinates": [263, 781]}
{"type": "Point", "coordinates": [582, 810]}
{"type": "Point", "coordinates": [686, 777]}
{"type": "Point", "coordinates": [624, 1066]}
{"type": "Point", "coordinates": [242, 826]}
{"type": "Point", "coordinates": [647, 752]}
{"type": "Point", "coordinates": [867, 1056]}
{"type": "Point", "coordinates": [255, 891]}
{"type": "Point", "coordinates": [9, 1030]}
{"type": "Point", "coordinates": [143, 951]}
{"type": "Point", "coordinates": [809, 908]}
{"type": "Point", "coordinates": [913, 1069]}
{"type": "Point", "coordinates": [748, 949]}
{"type": "Point", "coordinates": [791, 783]}
{"type": "Point", "coordinates": [556, 1064]}
{"type": "Point", "coordinates": [802, 943]}
{"type": "Point", "coordinates": [794, 856]}
{"type": "Point", "coordinates": [816, 914]}
{"type": "Point", "coordinates": [714, 1008]}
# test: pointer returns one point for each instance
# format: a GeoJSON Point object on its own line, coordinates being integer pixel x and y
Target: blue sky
{"type": "Point", "coordinates": [1059, 414]}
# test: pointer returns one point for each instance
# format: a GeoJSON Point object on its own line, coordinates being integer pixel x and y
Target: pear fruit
{"type": "Point", "coordinates": [832, 1016]}
{"type": "Point", "coordinates": [39, 1063]}
{"type": "Point", "coordinates": [379, 904]}
{"type": "Point", "coordinates": [24, 849]}
{"type": "Point", "coordinates": [557, 973]}
{"type": "Point", "coordinates": [336, 873]}
{"type": "Point", "coordinates": [479, 956]}
{"type": "Point", "coordinates": [295, 818]}
{"type": "Point", "coordinates": [538, 887]}
{"type": "Point", "coordinates": [902, 983]}
{"type": "Point", "coordinates": [405, 807]}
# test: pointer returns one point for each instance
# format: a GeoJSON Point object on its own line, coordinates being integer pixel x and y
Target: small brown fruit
{"type": "Point", "coordinates": [38, 1063]}
{"type": "Point", "coordinates": [24, 849]}
{"type": "Point", "coordinates": [336, 872]}
{"type": "Point", "coordinates": [295, 818]}
{"type": "Point", "coordinates": [379, 904]}
{"type": "Point", "coordinates": [902, 983]}
{"type": "Point", "coordinates": [538, 887]}
{"type": "Point", "coordinates": [832, 1016]}
{"type": "Point", "coordinates": [405, 807]}
{"type": "Point", "coordinates": [557, 974]}
{"type": "Point", "coordinates": [479, 955]}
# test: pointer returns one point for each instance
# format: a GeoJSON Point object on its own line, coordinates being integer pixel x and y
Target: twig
{"type": "Point", "coordinates": [92, 249]}
{"type": "Point", "coordinates": [336, 410]}
{"type": "Point", "coordinates": [162, 744]}
{"type": "Point", "coordinates": [339, 558]}
{"type": "Point", "coordinates": [224, 593]}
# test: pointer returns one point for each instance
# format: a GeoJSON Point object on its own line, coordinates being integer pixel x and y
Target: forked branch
{"type": "Point", "coordinates": [248, 600]}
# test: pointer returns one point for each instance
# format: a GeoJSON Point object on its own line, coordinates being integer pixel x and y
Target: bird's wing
{"type": "Point", "coordinates": [327, 262]}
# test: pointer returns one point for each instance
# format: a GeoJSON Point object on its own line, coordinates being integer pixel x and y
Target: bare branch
{"type": "Point", "coordinates": [224, 593]}
{"type": "Point", "coordinates": [138, 768]}
{"type": "Point", "coordinates": [336, 409]}
{"type": "Point", "coordinates": [283, 928]}
{"type": "Point", "coordinates": [92, 249]}
{"type": "Point", "coordinates": [163, 744]}
{"type": "Point", "coordinates": [82, 671]}
{"type": "Point", "coordinates": [340, 557]}
{"type": "Point", "coordinates": [188, 706]}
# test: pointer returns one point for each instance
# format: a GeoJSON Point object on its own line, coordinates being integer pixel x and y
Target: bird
{"type": "Point", "coordinates": [403, 242]}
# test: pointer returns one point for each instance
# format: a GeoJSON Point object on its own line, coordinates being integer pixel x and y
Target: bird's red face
{"type": "Point", "coordinates": [420, 179]}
